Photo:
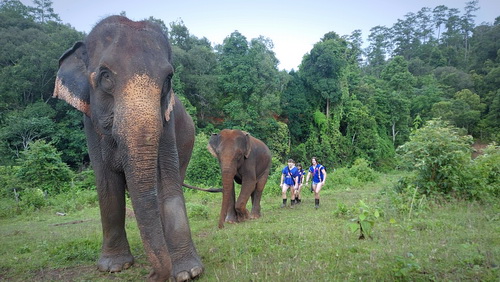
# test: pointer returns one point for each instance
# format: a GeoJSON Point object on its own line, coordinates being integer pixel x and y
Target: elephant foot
{"type": "Point", "coordinates": [254, 215]}
{"type": "Point", "coordinates": [243, 215]}
{"type": "Point", "coordinates": [189, 275]}
{"type": "Point", "coordinates": [231, 219]}
{"type": "Point", "coordinates": [187, 270]}
{"type": "Point", "coordinates": [115, 263]}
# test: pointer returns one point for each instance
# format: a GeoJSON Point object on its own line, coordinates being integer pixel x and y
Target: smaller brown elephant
{"type": "Point", "coordinates": [246, 160]}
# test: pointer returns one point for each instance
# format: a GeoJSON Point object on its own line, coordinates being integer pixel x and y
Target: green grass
{"type": "Point", "coordinates": [451, 241]}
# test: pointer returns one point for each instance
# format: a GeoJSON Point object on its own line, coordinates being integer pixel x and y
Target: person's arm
{"type": "Point", "coordinates": [324, 175]}
{"type": "Point", "coordinates": [308, 175]}
{"type": "Point", "coordinates": [281, 182]}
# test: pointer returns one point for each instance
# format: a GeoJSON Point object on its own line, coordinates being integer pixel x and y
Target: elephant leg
{"type": "Point", "coordinates": [186, 264]}
{"type": "Point", "coordinates": [115, 252]}
{"type": "Point", "coordinates": [231, 212]}
{"type": "Point", "coordinates": [247, 189]}
{"type": "Point", "coordinates": [256, 196]}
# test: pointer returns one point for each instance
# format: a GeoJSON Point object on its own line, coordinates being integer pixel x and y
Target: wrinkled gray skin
{"type": "Point", "coordinates": [139, 137]}
{"type": "Point", "coordinates": [246, 160]}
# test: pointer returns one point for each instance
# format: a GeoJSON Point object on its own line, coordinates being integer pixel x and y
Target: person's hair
{"type": "Point", "coordinates": [290, 161]}
{"type": "Point", "coordinates": [298, 165]}
{"type": "Point", "coordinates": [316, 159]}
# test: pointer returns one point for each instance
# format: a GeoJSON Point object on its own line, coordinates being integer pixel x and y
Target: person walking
{"type": "Point", "coordinates": [318, 173]}
{"type": "Point", "coordinates": [289, 179]}
{"type": "Point", "coordinates": [298, 197]}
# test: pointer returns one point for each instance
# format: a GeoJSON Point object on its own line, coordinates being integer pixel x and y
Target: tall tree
{"type": "Point", "coordinates": [379, 49]}
{"type": "Point", "coordinates": [324, 69]}
{"type": "Point", "coordinates": [44, 12]}
{"type": "Point", "coordinates": [439, 18]}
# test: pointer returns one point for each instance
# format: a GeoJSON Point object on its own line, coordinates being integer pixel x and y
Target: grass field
{"type": "Point", "coordinates": [444, 241]}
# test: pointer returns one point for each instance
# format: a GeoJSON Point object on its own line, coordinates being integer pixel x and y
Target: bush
{"type": "Point", "coordinates": [440, 157]}
{"type": "Point", "coordinates": [203, 169]}
{"type": "Point", "coordinates": [361, 170]}
{"type": "Point", "coordinates": [32, 199]}
{"type": "Point", "coordinates": [9, 182]}
{"type": "Point", "coordinates": [356, 175]}
{"type": "Point", "coordinates": [41, 167]}
{"type": "Point", "coordinates": [485, 174]}
{"type": "Point", "coordinates": [73, 200]}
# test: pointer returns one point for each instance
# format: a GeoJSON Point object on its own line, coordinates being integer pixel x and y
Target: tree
{"type": "Point", "coordinates": [439, 18]}
{"type": "Point", "coordinates": [44, 12]}
{"type": "Point", "coordinates": [24, 127]}
{"type": "Point", "coordinates": [379, 49]}
{"type": "Point", "coordinates": [324, 69]}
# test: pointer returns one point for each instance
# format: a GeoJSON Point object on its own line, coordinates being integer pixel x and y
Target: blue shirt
{"type": "Point", "coordinates": [290, 175]}
{"type": "Point", "coordinates": [316, 172]}
{"type": "Point", "coordinates": [301, 175]}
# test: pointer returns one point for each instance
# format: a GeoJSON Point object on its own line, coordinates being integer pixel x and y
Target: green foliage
{"type": "Point", "coordinates": [362, 171]}
{"type": "Point", "coordinates": [41, 168]}
{"type": "Point", "coordinates": [278, 141]}
{"type": "Point", "coordinates": [32, 199]}
{"type": "Point", "coordinates": [484, 174]}
{"type": "Point", "coordinates": [9, 181]}
{"type": "Point", "coordinates": [440, 156]}
{"type": "Point", "coordinates": [203, 169]}
{"type": "Point", "coordinates": [73, 200]}
{"type": "Point", "coordinates": [197, 211]}
{"type": "Point", "coordinates": [364, 220]}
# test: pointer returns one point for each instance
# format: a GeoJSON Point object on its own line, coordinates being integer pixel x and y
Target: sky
{"type": "Point", "coordinates": [294, 26]}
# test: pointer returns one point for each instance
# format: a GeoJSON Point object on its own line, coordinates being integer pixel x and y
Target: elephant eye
{"type": "Point", "coordinates": [168, 83]}
{"type": "Point", "coordinates": [106, 80]}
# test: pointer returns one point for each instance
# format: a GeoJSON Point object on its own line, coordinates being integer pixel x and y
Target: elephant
{"type": "Point", "coordinates": [246, 160]}
{"type": "Point", "coordinates": [140, 139]}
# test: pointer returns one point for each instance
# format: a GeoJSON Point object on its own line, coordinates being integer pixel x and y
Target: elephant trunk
{"type": "Point", "coordinates": [228, 193]}
{"type": "Point", "coordinates": [137, 130]}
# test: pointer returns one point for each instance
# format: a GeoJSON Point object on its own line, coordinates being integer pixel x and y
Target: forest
{"type": "Point", "coordinates": [346, 104]}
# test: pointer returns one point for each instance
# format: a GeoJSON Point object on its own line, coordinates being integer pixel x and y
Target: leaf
{"type": "Point", "coordinates": [367, 227]}
{"type": "Point", "coordinates": [362, 216]}
{"type": "Point", "coordinates": [354, 227]}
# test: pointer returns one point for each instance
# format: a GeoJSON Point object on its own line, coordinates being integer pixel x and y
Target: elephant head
{"type": "Point", "coordinates": [230, 147]}
{"type": "Point", "coordinates": [139, 137]}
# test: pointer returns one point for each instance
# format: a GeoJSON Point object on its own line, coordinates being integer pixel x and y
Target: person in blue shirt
{"type": "Point", "coordinates": [298, 198]}
{"type": "Point", "coordinates": [289, 179]}
{"type": "Point", "coordinates": [318, 173]}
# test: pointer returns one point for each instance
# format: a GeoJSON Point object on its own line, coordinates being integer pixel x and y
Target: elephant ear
{"type": "Point", "coordinates": [248, 144]}
{"type": "Point", "coordinates": [72, 84]}
{"type": "Point", "coordinates": [213, 143]}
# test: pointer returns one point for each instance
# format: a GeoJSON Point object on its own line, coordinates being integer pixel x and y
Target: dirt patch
{"type": "Point", "coordinates": [478, 147]}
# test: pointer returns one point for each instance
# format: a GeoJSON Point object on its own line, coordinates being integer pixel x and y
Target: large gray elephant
{"type": "Point", "coordinates": [246, 160]}
{"type": "Point", "coordinates": [140, 139]}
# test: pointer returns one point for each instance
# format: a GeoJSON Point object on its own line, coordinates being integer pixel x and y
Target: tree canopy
{"type": "Point", "coordinates": [346, 101]}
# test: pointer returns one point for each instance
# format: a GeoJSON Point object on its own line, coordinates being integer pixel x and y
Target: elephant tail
{"type": "Point", "coordinates": [211, 190]}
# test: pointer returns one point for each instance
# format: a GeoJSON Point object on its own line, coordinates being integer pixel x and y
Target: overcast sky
{"type": "Point", "coordinates": [294, 26]}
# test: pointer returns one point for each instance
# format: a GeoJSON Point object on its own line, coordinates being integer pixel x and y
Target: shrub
{"type": "Point", "coordinates": [203, 169]}
{"type": "Point", "coordinates": [485, 174]}
{"type": "Point", "coordinates": [362, 171]}
{"type": "Point", "coordinates": [41, 167]}
{"type": "Point", "coordinates": [9, 182]}
{"type": "Point", "coordinates": [32, 199]}
{"type": "Point", "coordinates": [440, 157]}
